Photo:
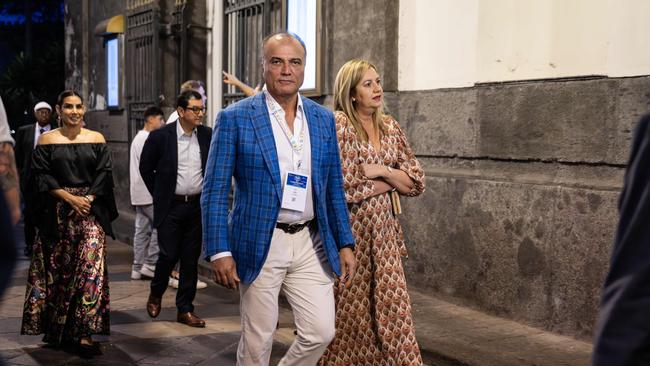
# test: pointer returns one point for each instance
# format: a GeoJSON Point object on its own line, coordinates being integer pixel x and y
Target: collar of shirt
{"type": "Point", "coordinates": [172, 117]}
{"type": "Point", "coordinates": [37, 132]}
{"type": "Point", "coordinates": [180, 132]}
{"type": "Point", "coordinates": [290, 159]}
{"type": "Point", "coordinates": [275, 105]}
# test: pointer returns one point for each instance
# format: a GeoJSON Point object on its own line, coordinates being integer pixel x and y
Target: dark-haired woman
{"type": "Point", "coordinates": [67, 288]}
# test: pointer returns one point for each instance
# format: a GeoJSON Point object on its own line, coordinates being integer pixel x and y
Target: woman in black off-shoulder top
{"type": "Point", "coordinates": [67, 296]}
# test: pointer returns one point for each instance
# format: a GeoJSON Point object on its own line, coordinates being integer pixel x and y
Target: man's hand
{"type": "Point", "coordinates": [225, 272]}
{"type": "Point", "coordinates": [231, 79]}
{"type": "Point", "coordinates": [348, 266]}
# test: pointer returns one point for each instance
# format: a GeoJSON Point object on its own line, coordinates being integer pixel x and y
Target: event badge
{"type": "Point", "coordinates": [294, 196]}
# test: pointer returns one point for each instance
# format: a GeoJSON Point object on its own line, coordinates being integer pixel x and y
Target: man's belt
{"type": "Point", "coordinates": [186, 197]}
{"type": "Point", "coordinates": [292, 228]}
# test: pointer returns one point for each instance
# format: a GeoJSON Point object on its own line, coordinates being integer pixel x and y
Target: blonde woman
{"type": "Point", "coordinates": [373, 316]}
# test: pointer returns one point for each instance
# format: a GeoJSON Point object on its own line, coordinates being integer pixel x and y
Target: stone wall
{"type": "Point", "coordinates": [522, 189]}
{"type": "Point", "coordinates": [523, 180]}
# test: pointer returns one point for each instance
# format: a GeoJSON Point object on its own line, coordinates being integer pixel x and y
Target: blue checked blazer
{"type": "Point", "coordinates": [243, 147]}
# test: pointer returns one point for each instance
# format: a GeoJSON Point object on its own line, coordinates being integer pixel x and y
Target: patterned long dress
{"type": "Point", "coordinates": [67, 294]}
{"type": "Point", "coordinates": [374, 325]}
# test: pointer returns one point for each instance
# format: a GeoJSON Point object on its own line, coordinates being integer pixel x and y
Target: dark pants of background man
{"type": "Point", "coordinates": [29, 221]}
{"type": "Point", "coordinates": [30, 233]}
{"type": "Point", "coordinates": [179, 238]}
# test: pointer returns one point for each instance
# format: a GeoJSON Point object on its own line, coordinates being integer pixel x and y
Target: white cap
{"type": "Point", "coordinates": [41, 105]}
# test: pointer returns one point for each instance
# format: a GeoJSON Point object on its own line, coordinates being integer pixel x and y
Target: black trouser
{"type": "Point", "coordinates": [30, 232]}
{"type": "Point", "coordinates": [179, 237]}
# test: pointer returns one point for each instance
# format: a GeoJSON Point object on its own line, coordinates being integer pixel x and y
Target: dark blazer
{"type": "Point", "coordinates": [159, 165]}
{"type": "Point", "coordinates": [622, 335]}
{"type": "Point", "coordinates": [23, 151]}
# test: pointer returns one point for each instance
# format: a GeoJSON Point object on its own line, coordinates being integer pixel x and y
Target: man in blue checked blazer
{"type": "Point", "coordinates": [288, 229]}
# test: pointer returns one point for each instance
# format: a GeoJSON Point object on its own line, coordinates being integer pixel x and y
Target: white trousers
{"type": "Point", "coordinates": [297, 265]}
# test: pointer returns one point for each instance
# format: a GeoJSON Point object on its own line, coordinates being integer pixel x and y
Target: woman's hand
{"type": "Point", "coordinates": [373, 171]}
{"type": "Point", "coordinates": [395, 178]}
{"type": "Point", "coordinates": [80, 204]}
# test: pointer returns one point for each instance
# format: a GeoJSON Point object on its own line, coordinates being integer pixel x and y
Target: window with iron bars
{"type": "Point", "coordinates": [246, 23]}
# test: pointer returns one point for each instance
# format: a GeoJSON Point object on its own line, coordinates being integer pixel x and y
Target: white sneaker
{"type": "Point", "coordinates": [147, 270]}
{"type": "Point", "coordinates": [173, 282]}
{"type": "Point", "coordinates": [200, 284]}
{"type": "Point", "coordinates": [135, 275]}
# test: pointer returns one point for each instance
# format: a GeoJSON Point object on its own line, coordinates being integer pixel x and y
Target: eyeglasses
{"type": "Point", "coordinates": [196, 110]}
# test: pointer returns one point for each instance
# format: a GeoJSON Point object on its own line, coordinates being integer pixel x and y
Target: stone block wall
{"type": "Point", "coordinates": [523, 180]}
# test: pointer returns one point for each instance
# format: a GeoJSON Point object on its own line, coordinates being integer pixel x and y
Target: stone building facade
{"type": "Point", "coordinates": [520, 113]}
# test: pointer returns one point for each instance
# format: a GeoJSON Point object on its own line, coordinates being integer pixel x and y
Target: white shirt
{"type": "Point", "coordinates": [139, 193]}
{"type": "Point", "coordinates": [37, 132]}
{"type": "Point", "coordinates": [189, 179]}
{"type": "Point", "coordinates": [172, 117]}
{"type": "Point", "coordinates": [288, 159]}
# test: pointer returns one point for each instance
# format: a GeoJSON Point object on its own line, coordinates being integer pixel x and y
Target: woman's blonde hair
{"type": "Point", "coordinates": [348, 77]}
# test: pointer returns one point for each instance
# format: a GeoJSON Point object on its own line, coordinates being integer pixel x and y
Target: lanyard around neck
{"type": "Point", "coordinates": [297, 144]}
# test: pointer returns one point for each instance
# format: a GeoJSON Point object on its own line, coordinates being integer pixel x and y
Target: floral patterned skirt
{"type": "Point", "coordinates": [67, 285]}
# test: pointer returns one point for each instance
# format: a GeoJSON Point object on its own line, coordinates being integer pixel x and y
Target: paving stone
{"type": "Point", "coordinates": [448, 334]}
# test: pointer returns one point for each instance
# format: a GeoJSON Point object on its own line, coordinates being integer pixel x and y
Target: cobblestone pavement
{"type": "Point", "coordinates": [135, 338]}
{"type": "Point", "coordinates": [448, 334]}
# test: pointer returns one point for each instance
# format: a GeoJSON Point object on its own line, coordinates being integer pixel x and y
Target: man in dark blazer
{"type": "Point", "coordinates": [172, 165]}
{"type": "Point", "coordinates": [622, 335]}
{"type": "Point", "coordinates": [26, 139]}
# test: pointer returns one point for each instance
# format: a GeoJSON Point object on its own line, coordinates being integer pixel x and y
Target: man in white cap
{"type": "Point", "coordinates": [26, 140]}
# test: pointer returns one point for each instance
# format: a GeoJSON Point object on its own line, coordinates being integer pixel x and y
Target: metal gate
{"type": "Point", "coordinates": [246, 23]}
{"type": "Point", "coordinates": [142, 60]}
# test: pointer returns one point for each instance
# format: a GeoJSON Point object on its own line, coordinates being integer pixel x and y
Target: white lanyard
{"type": "Point", "coordinates": [297, 144]}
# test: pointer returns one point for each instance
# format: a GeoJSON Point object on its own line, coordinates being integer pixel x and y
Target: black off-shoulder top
{"type": "Point", "coordinates": [72, 165]}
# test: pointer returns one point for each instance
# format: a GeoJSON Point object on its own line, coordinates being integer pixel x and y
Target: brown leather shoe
{"type": "Point", "coordinates": [190, 319]}
{"type": "Point", "coordinates": [153, 306]}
